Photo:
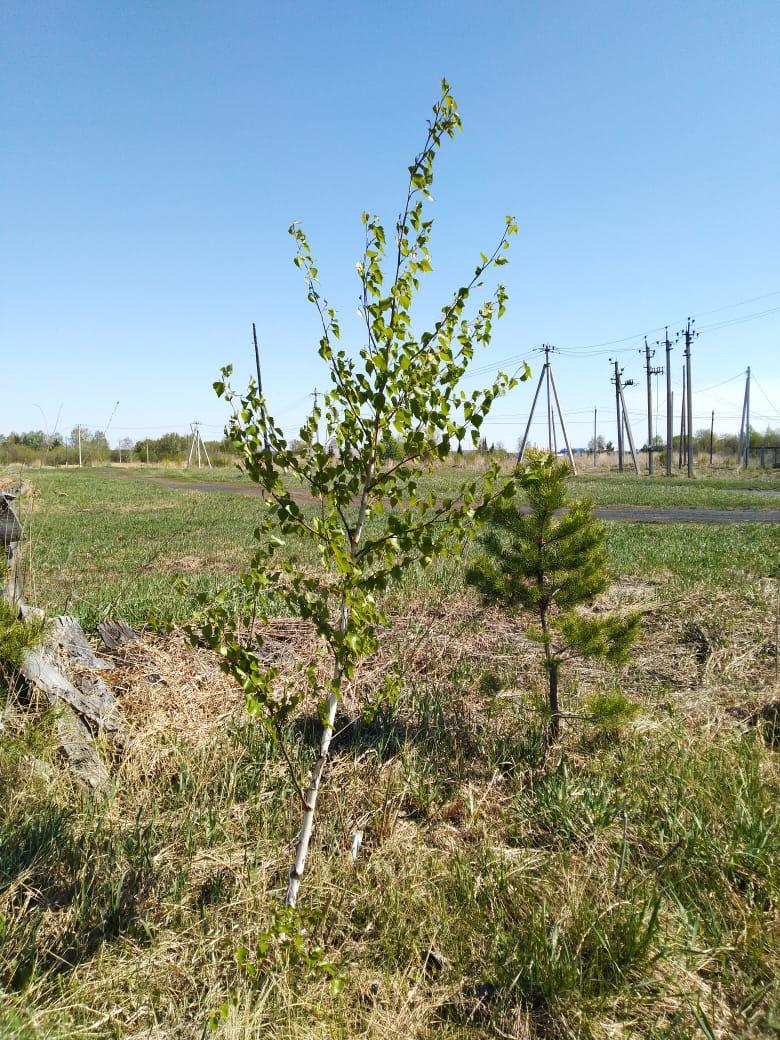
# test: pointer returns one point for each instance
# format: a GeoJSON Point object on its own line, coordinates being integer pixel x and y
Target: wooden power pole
{"type": "Point", "coordinates": [689, 335]}
{"type": "Point", "coordinates": [743, 441]}
{"type": "Point", "coordinates": [259, 381]}
{"type": "Point", "coordinates": [195, 446]}
{"type": "Point", "coordinates": [619, 419]}
{"type": "Point", "coordinates": [623, 421]}
{"type": "Point", "coordinates": [712, 435]}
{"type": "Point", "coordinates": [257, 361]}
{"type": "Point", "coordinates": [683, 440]}
{"type": "Point", "coordinates": [669, 403]}
{"type": "Point", "coordinates": [649, 354]}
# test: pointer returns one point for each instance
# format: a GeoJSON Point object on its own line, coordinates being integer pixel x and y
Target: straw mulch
{"type": "Point", "coordinates": [699, 657]}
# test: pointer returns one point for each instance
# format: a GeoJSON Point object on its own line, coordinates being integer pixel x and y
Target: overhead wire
{"type": "Point", "coordinates": [729, 322]}
{"type": "Point", "coordinates": [706, 389]}
{"type": "Point", "coordinates": [772, 406]}
{"type": "Point", "coordinates": [599, 349]}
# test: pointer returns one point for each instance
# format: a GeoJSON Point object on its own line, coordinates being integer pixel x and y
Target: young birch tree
{"type": "Point", "coordinates": [374, 521]}
{"type": "Point", "coordinates": [548, 562]}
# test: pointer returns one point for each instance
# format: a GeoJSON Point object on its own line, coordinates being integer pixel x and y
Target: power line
{"type": "Point", "coordinates": [731, 379]}
{"type": "Point", "coordinates": [660, 328]}
{"type": "Point", "coordinates": [742, 303]}
{"type": "Point", "coordinates": [594, 349]}
{"type": "Point", "coordinates": [765, 395]}
{"type": "Point", "coordinates": [740, 321]}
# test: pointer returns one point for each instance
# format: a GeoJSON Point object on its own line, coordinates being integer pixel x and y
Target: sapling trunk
{"type": "Point", "coordinates": [552, 689]}
{"type": "Point", "coordinates": [551, 667]}
{"type": "Point", "coordinates": [315, 779]}
{"type": "Point", "coordinates": [310, 803]}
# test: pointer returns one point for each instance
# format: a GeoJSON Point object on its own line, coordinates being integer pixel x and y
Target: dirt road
{"type": "Point", "coordinates": [629, 514]}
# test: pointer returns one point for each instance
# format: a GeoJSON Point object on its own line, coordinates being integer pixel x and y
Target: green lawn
{"type": "Point", "coordinates": [106, 544]}
{"type": "Point", "coordinates": [750, 492]}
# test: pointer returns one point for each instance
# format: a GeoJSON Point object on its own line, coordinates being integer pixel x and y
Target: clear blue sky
{"type": "Point", "coordinates": [154, 155]}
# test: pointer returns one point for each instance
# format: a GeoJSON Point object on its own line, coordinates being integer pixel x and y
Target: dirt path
{"type": "Point", "coordinates": [630, 514]}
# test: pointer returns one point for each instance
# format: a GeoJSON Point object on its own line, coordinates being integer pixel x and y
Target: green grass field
{"type": "Point", "coordinates": [106, 543]}
{"type": "Point", "coordinates": [719, 489]}
{"type": "Point", "coordinates": [625, 885]}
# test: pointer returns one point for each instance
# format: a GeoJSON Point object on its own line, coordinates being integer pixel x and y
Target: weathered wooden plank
{"type": "Point", "coordinates": [79, 747]}
{"type": "Point", "coordinates": [114, 634]}
{"type": "Point", "coordinates": [62, 669]}
{"type": "Point", "coordinates": [69, 634]}
{"type": "Point", "coordinates": [11, 533]}
{"type": "Point", "coordinates": [10, 528]}
{"type": "Point", "coordinates": [45, 670]}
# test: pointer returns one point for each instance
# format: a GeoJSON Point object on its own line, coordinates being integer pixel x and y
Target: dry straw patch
{"type": "Point", "coordinates": [165, 685]}
{"type": "Point", "coordinates": [712, 656]}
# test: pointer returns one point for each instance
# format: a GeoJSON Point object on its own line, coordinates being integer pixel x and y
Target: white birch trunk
{"type": "Point", "coordinates": [310, 800]}
{"type": "Point", "coordinates": [310, 805]}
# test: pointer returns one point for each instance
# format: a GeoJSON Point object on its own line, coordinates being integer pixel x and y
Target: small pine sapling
{"type": "Point", "coordinates": [548, 561]}
{"type": "Point", "coordinates": [374, 521]}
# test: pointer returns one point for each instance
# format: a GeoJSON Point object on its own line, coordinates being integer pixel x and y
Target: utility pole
{"type": "Point", "coordinates": [563, 424]}
{"type": "Point", "coordinates": [547, 378]}
{"type": "Point", "coordinates": [683, 441]}
{"type": "Point", "coordinates": [195, 446]}
{"type": "Point", "coordinates": [619, 419]}
{"type": "Point", "coordinates": [669, 403]}
{"type": "Point", "coordinates": [712, 435]}
{"type": "Point", "coordinates": [747, 419]}
{"type": "Point", "coordinates": [549, 400]}
{"type": "Point", "coordinates": [623, 421]}
{"type": "Point", "coordinates": [740, 435]}
{"type": "Point", "coordinates": [626, 420]}
{"type": "Point", "coordinates": [595, 438]}
{"type": "Point", "coordinates": [110, 420]}
{"type": "Point", "coordinates": [523, 442]}
{"type": "Point", "coordinates": [78, 431]}
{"type": "Point", "coordinates": [259, 380]}
{"type": "Point", "coordinates": [257, 361]}
{"type": "Point", "coordinates": [743, 441]}
{"type": "Point", "coordinates": [649, 354]}
{"type": "Point", "coordinates": [689, 335]}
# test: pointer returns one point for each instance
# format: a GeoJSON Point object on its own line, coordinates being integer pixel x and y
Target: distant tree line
{"type": "Point", "coordinates": [54, 449]}
{"type": "Point", "coordinates": [37, 446]}
{"type": "Point", "coordinates": [722, 444]}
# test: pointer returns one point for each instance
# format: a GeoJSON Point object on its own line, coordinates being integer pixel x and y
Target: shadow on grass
{"type": "Point", "coordinates": [73, 888]}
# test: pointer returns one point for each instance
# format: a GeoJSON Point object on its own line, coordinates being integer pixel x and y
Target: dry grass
{"type": "Point", "coordinates": [477, 844]}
